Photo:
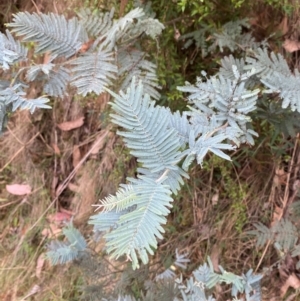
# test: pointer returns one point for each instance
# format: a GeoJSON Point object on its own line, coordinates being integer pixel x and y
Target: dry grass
{"type": "Point", "coordinates": [69, 171]}
{"type": "Point", "coordinates": [34, 151]}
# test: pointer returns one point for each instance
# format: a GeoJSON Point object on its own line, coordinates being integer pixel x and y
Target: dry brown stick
{"type": "Point", "coordinates": [70, 177]}
{"type": "Point", "coordinates": [123, 5]}
{"type": "Point", "coordinates": [284, 202]}
{"type": "Point", "coordinates": [20, 150]}
{"type": "Point", "coordinates": [13, 134]}
{"type": "Point", "coordinates": [36, 7]}
{"type": "Point", "coordinates": [286, 191]}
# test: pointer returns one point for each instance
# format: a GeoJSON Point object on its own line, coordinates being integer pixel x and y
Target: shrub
{"type": "Point", "coordinates": [95, 53]}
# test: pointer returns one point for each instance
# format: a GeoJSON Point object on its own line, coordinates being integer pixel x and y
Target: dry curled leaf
{"type": "Point", "coordinates": [71, 125]}
{"type": "Point", "coordinates": [280, 177]}
{"type": "Point", "coordinates": [215, 199]}
{"type": "Point", "coordinates": [292, 281]}
{"type": "Point", "coordinates": [18, 189]}
{"type": "Point", "coordinates": [56, 149]}
{"type": "Point", "coordinates": [59, 217]}
{"type": "Point", "coordinates": [73, 187]}
{"type": "Point", "coordinates": [277, 214]}
{"type": "Point", "coordinates": [52, 232]}
{"type": "Point", "coordinates": [291, 45]}
{"type": "Point", "coordinates": [76, 155]}
{"type": "Point", "coordinates": [214, 257]}
{"type": "Point", "coordinates": [35, 289]}
{"type": "Point", "coordinates": [39, 265]}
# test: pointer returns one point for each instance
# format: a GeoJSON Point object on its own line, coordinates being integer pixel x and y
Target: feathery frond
{"type": "Point", "coordinates": [151, 27]}
{"type": "Point", "coordinates": [262, 233]}
{"type": "Point", "coordinates": [286, 234]}
{"type": "Point", "coordinates": [147, 133]}
{"type": "Point", "coordinates": [284, 120]}
{"type": "Point", "coordinates": [266, 66]}
{"type": "Point", "coordinates": [204, 278]}
{"type": "Point", "coordinates": [138, 230]}
{"type": "Point", "coordinates": [119, 28]}
{"type": "Point", "coordinates": [51, 32]}
{"type": "Point", "coordinates": [122, 200]}
{"type": "Point", "coordinates": [199, 147]}
{"type": "Point", "coordinates": [172, 178]}
{"type": "Point", "coordinates": [93, 72]}
{"type": "Point", "coordinates": [227, 100]}
{"type": "Point", "coordinates": [11, 51]}
{"type": "Point", "coordinates": [15, 96]}
{"type": "Point", "coordinates": [133, 64]}
{"type": "Point", "coordinates": [287, 87]}
{"type": "Point", "coordinates": [105, 221]}
{"type": "Point", "coordinates": [74, 237]}
{"type": "Point", "coordinates": [63, 252]}
{"type": "Point", "coordinates": [34, 72]}
{"type": "Point", "coordinates": [229, 34]}
{"type": "Point", "coordinates": [55, 78]}
{"type": "Point", "coordinates": [180, 261]}
{"type": "Point", "coordinates": [282, 232]}
{"type": "Point", "coordinates": [181, 125]}
{"type": "Point", "coordinates": [199, 37]}
{"type": "Point", "coordinates": [57, 81]}
{"type": "Point", "coordinates": [96, 23]}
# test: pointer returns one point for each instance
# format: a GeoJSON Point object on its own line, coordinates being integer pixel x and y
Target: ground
{"type": "Point", "coordinates": [55, 164]}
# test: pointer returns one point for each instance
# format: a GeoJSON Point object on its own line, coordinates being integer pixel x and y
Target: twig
{"type": "Point", "coordinates": [208, 135]}
{"type": "Point", "coordinates": [69, 178]}
{"type": "Point", "coordinates": [284, 202]}
{"type": "Point", "coordinates": [13, 134]}
{"type": "Point", "coordinates": [262, 256]}
{"type": "Point", "coordinates": [19, 151]}
{"type": "Point", "coordinates": [165, 173]}
{"type": "Point", "coordinates": [286, 192]}
{"type": "Point", "coordinates": [36, 7]}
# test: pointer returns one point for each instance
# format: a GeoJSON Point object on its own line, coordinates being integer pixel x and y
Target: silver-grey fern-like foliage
{"type": "Point", "coordinates": [204, 278]}
{"type": "Point", "coordinates": [284, 121]}
{"type": "Point", "coordinates": [85, 52]}
{"type": "Point", "coordinates": [133, 63]}
{"type": "Point", "coordinates": [147, 133]}
{"type": "Point", "coordinates": [16, 97]}
{"type": "Point", "coordinates": [93, 71]}
{"type": "Point", "coordinates": [121, 28]}
{"type": "Point", "coordinates": [199, 37]}
{"type": "Point", "coordinates": [227, 102]}
{"type": "Point", "coordinates": [55, 78]}
{"type": "Point", "coordinates": [145, 216]}
{"type": "Point", "coordinates": [51, 32]}
{"type": "Point", "coordinates": [180, 261]}
{"type": "Point", "coordinates": [56, 81]}
{"type": "Point", "coordinates": [96, 23]}
{"type": "Point", "coordinates": [283, 232]}
{"type": "Point", "coordinates": [61, 252]}
{"type": "Point", "coordinates": [11, 51]}
{"type": "Point", "coordinates": [230, 35]}
{"type": "Point", "coordinates": [274, 72]}
{"type": "Point", "coordinates": [284, 235]}
{"type": "Point", "coordinates": [287, 87]}
{"type": "Point", "coordinates": [154, 136]}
